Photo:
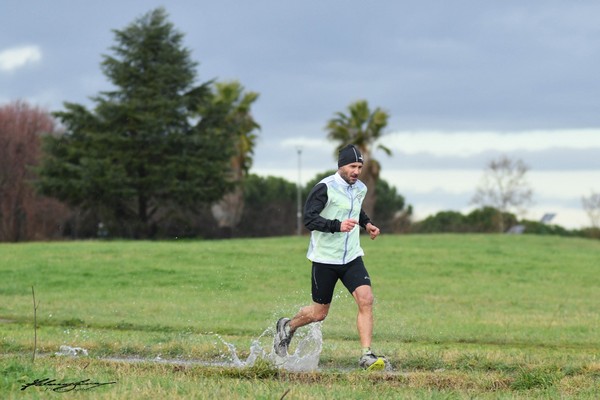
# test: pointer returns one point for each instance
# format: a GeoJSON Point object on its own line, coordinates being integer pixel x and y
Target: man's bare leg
{"type": "Point", "coordinates": [285, 327]}
{"type": "Point", "coordinates": [313, 313]}
{"type": "Point", "coordinates": [364, 323]}
{"type": "Point", "coordinates": [363, 295]}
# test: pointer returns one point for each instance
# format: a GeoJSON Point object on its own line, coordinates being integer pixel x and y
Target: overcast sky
{"type": "Point", "coordinates": [463, 81]}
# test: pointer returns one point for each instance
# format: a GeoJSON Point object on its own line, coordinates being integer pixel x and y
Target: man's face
{"type": "Point", "coordinates": [350, 172]}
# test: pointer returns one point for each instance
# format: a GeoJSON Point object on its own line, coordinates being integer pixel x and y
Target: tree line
{"type": "Point", "coordinates": [26, 213]}
{"type": "Point", "coordinates": [159, 155]}
{"type": "Point", "coordinates": [163, 156]}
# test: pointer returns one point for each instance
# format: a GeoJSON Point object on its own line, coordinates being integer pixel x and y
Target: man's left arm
{"type": "Point", "coordinates": [366, 223]}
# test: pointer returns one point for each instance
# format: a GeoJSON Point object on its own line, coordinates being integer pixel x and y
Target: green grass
{"type": "Point", "coordinates": [459, 316]}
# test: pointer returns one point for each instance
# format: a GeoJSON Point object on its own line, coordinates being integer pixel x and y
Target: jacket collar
{"type": "Point", "coordinates": [340, 180]}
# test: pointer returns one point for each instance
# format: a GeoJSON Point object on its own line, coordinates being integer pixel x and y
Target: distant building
{"type": "Point", "coordinates": [547, 218]}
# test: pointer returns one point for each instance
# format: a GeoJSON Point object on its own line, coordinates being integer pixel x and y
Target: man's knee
{"type": "Point", "coordinates": [364, 296]}
{"type": "Point", "coordinates": [319, 312]}
{"type": "Point", "coordinates": [366, 300]}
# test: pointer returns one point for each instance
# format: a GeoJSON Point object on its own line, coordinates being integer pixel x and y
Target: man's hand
{"type": "Point", "coordinates": [347, 225]}
{"type": "Point", "coordinates": [373, 230]}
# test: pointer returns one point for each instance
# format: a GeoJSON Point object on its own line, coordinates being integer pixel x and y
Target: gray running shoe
{"type": "Point", "coordinates": [371, 362]}
{"type": "Point", "coordinates": [283, 337]}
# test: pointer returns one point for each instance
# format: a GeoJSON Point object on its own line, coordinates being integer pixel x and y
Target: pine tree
{"type": "Point", "coordinates": [145, 149]}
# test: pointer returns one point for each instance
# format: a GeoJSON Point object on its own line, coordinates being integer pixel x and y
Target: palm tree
{"type": "Point", "coordinates": [361, 127]}
{"type": "Point", "coordinates": [233, 105]}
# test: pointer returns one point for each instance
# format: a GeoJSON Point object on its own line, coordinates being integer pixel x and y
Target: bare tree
{"type": "Point", "coordinates": [591, 206]}
{"type": "Point", "coordinates": [504, 187]}
{"type": "Point", "coordinates": [23, 214]}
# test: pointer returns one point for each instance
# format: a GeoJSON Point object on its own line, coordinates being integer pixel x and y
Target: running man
{"type": "Point", "coordinates": [332, 213]}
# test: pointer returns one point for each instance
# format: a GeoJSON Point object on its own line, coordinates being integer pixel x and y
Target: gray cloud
{"type": "Point", "coordinates": [546, 160]}
{"type": "Point", "coordinates": [433, 65]}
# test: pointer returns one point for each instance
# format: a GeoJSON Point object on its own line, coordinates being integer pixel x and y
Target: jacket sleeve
{"type": "Point", "coordinates": [363, 219]}
{"type": "Point", "coordinates": [315, 203]}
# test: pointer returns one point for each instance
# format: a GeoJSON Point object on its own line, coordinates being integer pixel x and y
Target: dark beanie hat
{"type": "Point", "coordinates": [349, 155]}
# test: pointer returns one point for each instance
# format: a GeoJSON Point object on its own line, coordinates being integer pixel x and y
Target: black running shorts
{"type": "Point", "coordinates": [325, 276]}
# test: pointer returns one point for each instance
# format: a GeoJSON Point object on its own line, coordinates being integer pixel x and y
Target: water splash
{"type": "Point", "coordinates": [305, 350]}
{"type": "Point", "coordinates": [65, 350]}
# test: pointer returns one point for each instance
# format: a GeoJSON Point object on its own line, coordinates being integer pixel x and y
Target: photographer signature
{"type": "Point", "coordinates": [55, 386]}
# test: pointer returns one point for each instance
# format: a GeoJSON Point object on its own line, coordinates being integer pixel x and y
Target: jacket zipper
{"type": "Point", "coordinates": [349, 215]}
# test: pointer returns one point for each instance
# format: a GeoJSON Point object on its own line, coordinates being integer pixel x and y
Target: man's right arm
{"type": "Point", "coordinates": [315, 203]}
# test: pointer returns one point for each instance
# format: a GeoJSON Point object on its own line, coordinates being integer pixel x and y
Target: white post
{"type": "Point", "coordinates": [299, 195]}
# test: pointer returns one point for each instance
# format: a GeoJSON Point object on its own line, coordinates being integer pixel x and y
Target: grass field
{"type": "Point", "coordinates": [458, 316]}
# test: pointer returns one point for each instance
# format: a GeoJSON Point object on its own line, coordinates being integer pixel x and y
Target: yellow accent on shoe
{"type": "Point", "coordinates": [378, 365]}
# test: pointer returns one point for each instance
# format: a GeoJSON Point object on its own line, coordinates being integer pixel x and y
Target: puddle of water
{"type": "Point", "coordinates": [305, 352]}
{"type": "Point", "coordinates": [304, 357]}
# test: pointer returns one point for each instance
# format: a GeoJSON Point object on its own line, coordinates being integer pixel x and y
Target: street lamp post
{"type": "Point", "coordinates": [299, 195]}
